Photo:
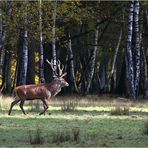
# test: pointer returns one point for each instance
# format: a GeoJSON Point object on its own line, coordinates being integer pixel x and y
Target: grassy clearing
{"type": "Point", "coordinates": [89, 124]}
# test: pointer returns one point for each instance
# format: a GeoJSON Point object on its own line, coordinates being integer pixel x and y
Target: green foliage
{"type": "Point", "coordinates": [145, 4]}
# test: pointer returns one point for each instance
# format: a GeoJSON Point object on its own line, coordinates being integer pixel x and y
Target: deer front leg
{"type": "Point", "coordinates": [45, 104]}
{"type": "Point", "coordinates": [12, 104]}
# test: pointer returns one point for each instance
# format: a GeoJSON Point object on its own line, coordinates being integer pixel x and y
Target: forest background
{"type": "Point", "coordinates": [102, 44]}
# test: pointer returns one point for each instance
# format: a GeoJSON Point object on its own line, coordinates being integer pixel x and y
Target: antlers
{"type": "Point", "coordinates": [59, 66]}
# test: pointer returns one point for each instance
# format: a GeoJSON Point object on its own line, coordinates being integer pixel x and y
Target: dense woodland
{"type": "Point", "coordinates": [102, 45]}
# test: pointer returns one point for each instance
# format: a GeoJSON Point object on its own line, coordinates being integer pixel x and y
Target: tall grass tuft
{"type": "Point", "coordinates": [118, 111]}
{"type": "Point", "coordinates": [61, 136]}
{"type": "Point", "coordinates": [145, 129]}
{"type": "Point", "coordinates": [76, 134]}
{"type": "Point", "coordinates": [5, 103]}
{"type": "Point", "coordinates": [66, 135]}
{"type": "Point", "coordinates": [69, 106]}
{"type": "Point", "coordinates": [37, 138]}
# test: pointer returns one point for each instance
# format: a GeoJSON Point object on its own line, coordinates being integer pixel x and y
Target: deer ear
{"type": "Point", "coordinates": [63, 75]}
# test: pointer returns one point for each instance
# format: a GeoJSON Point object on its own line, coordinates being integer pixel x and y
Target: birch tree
{"type": "Point", "coordinates": [130, 64]}
{"type": "Point", "coordinates": [92, 61]}
{"type": "Point", "coordinates": [133, 49]}
{"type": "Point", "coordinates": [24, 55]}
{"type": "Point", "coordinates": [115, 58]}
{"type": "Point", "coordinates": [72, 68]}
{"type": "Point", "coordinates": [54, 57]}
{"type": "Point", "coordinates": [41, 57]}
{"type": "Point", "coordinates": [6, 51]}
{"type": "Point", "coordinates": [2, 38]}
{"type": "Point", "coordinates": [136, 45]}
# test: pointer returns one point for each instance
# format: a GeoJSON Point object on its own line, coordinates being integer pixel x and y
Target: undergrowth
{"type": "Point", "coordinates": [36, 138]}
{"type": "Point", "coordinates": [118, 111]}
{"type": "Point", "coordinates": [69, 106]}
{"type": "Point", "coordinates": [66, 135]}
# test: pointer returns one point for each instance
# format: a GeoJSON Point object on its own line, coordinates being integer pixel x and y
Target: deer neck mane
{"type": "Point", "coordinates": [54, 86]}
{"type": "Point", "coordinates": [58, 82]}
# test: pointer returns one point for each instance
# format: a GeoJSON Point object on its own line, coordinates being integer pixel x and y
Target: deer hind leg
{"type": "Point", "coordinates": [21, 106]}
{"type": "Point", "coordinates": [45, 104]}
{"type": "Point", "coordinates": [44, 107]}
{"type": "Point", "coordinates": [12, 104]}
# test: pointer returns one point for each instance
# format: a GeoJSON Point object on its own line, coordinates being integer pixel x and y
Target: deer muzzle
{"type": "Point", "coordinates": [66, 84]}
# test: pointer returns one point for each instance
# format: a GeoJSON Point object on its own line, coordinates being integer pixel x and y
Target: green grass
{"type": "Point", "coordinates": [88, 125]}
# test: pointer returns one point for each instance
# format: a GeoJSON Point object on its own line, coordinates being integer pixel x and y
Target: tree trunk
{"type": "Point", "coordinates": [102, 76]}
{"type": "Point", "coordinates": [54, 38]}
{"type": "Point", "coordinates": [71, 65]}
{"type": "Point", "coordinates": [146, 13]}
{"type": "Point", "coordinates": [2, 36]}
{"type": "Point", "coordinates": [114, 61]}
{"type": "Point", "coordinates": [121, 86]}
{"type": "Point", "coordinates": [7, 71]}
{"type": "Point", "coordinates": [31, 64]}
{"type": "Point", "coordinates": [136, 46]}
{"type": "Point", "coordinates": [92, 61]}
{"type": "Point", "coordinates": [2, 39]}
{"type": "Point", "coordinates": [24, 55]}
{"type": "Point", "coordinates": [129, 56]}
{"type": "Point", "coordinates": [41, 59]}
{"type": "Point", "coordinates": [47, 55]}
{"type": "Point", "coordinates": [144, 72]}
{"type": "Point", "coordinates": [5, 53]}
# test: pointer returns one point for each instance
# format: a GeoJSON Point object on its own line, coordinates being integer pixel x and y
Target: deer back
{"type": "Point", "coordinates": [32, 91]}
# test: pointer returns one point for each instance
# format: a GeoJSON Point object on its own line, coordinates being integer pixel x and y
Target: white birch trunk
{"type": "Point", "coordinates": [129, 56]}
{"type": "Point", "coordinates": [41, 61]}
{"type": "Point", "coordinates": [93, 60]}
{"type": "Point", "coordinates": [54, 37]}
{"type": "Point", "coordinates": [72, 69]}
{"type": "Point", "coordinates": [116, 53]}
{"type": "Point", "coordinates": [24, 63]}
{"type": "Point", "coordinates": [136, 45]}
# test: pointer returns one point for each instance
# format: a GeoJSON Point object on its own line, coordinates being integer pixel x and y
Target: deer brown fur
{"type": "Point", "coordinates": [38, 91]}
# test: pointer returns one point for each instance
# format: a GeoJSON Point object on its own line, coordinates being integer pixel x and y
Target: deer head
{"type": "Point", "coordinates": [59, 76]}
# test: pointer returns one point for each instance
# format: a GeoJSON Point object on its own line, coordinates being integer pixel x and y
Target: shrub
{"type": "Point", "coordinates": [120, 111]}
{"type": "Point", "coordinates": [37, 138]}
{"type": "Point", "coordinates": [69, 106]}
{"type": "Point", "coordinates": [61, 136]}
{"type": "Point", "coordinates": [145, 129]}
{"type": "Point", "coordinates": [66, 135]}
{"type": "Point", "coordinates": [76, 133]}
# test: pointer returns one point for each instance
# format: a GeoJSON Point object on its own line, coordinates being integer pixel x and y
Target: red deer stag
{"type": "Point", "coordinates": [40, 91]}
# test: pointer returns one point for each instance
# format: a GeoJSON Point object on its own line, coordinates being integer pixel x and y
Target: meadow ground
{"type": "Point", "coordinates": [78, 122]}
